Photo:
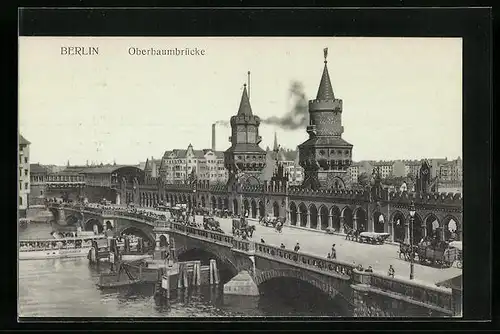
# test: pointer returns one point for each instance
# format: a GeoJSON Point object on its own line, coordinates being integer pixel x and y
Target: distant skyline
{"type": "Point", "coordinates": [402, 97]}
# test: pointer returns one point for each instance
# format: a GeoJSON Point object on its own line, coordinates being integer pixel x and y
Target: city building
{"type": "Point", "coordinates": [38, 183]}
{"type": "Point", "coordinates": [176, 165]}
{"type": "Point", "coordinates": [24, 175]}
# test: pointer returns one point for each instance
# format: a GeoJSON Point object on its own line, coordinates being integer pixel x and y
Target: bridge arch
{"type": "Point", "coordinates": [139, 232]}
{"type": "Point", "coordinates": [225, 265]}
{"type": "Point", "coordinates": [432, 226]}
{"type": "Point", "coordinates": [89, 225]}
{"type": "Point", "coordinates": [276, 209]}
{"type": "Point", "coordinates": [254, 208]}
{"type": "Point", "coordinates": [293, 214]}
{"type": "Point", "coordinates": [378, 222]}
{"type": "Point", "coordinates": [335, 213]}
{"type": "Point", "coordinates": [323, 213]}
{"type": "Point", "coordinates": [303, 214]}
{"type": "Point", "coordinates": [398, 222]}
{"type": "Point", "coordinates": [268, 275]}
{"type": "Point", "coordinates": [347, 217]}
{"type": "Point", "coordinates": [163, 241]}
{"type": "Point", "coordinates": [75, 219]}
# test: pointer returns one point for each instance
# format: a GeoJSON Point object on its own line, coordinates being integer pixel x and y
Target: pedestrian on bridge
{"type": "Point", "coordinates": [297, 247]}
{"type": "Point", "coordinates": [282, 246]}
{"type": "Point", "coordinates": [391, 271]}
{"type": "Point", "coordinates": [262, 241]}
{"type": "Point", "coordinates": [334, 252]}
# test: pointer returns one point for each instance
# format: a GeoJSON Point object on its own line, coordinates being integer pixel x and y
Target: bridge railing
{"type": "Point", "coordinates": [206, 234]}
{"type": "Point", "coordinates": [420, 292]}
{"type": "Point", "coordinates": [243, 245]}
{"type": "Point", "coordinates": [306, 261]}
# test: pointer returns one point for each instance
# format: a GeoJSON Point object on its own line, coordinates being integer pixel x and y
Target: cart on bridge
{"type": "Point", "coordinates": [373, 237]}
{"type": "Point", "coordinates": [209, 223]}
{"type": "Point", "coordinates": [433, 253]}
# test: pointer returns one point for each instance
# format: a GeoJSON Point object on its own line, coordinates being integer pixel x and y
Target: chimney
{"type": "Point", "coordinates": [213, 137]}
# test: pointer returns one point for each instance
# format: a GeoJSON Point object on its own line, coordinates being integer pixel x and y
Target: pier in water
{"type": "Point", "coordinates": [67, 288]}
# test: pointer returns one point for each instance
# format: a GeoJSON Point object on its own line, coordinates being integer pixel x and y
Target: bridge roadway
{"type": "Point", "coordinates": [319, 244]}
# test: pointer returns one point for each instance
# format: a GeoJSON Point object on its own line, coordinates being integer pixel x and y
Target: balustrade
{"type": "Point", "coordinates": [430, 295]}
{"type": "Point", "coordinates": [307, 261]}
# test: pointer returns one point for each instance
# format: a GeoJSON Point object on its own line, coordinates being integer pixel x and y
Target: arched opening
{"type": "Point", "coordinates": [378, 222]}
{"type": "Point", "coordinates": [293, 214]}
{"type": "Point", "coordinates": [72, 220]}
{"type": "Point", "coordinates": [335, 212]}
{"type": "Point", "coordinates": [246, 206]}
{"type": "Point", "coordinates": [276, 209]}
{"type": "Point", "coordinates": [163, 241]}
{"type": "Point", "coordinates": [418, 232]}
{"type": "Point", "coordinates": [214, 203]}
{"type": "Point", "coordinates": [226, 203]}
{"type": "Point", "coordinates": [451, 229]}
{"type": "Point", "coordinates": [109, 225]}
{"type": "Point", "coordinates": [148, 239]}
{"type": "Point", "coordinates": [432, 227]}
{"type": "Point", "coordinates": [94, 225]}
{"type": "Point", "coordinates": [347, 215]}
{"type": "Point", "coordinates": [235, 207]}
{"type": "Point", "coordinates": [202, 201]}
{"type": "Point", "coordinates": [303, 214]}
{"type": "Point", "coordinates": [226, 269]}
{"type": "Point", "coordinates": [292, 296]}
{"type": "Point", "coordinates": [313, 216]}
{"type": "Point", "coordinates": [323, 213]}
{"type": "Point", "coordinates": [220, 206]}
{"type": "Point", "coordinates": [360, 215]}
{"type": "Point", "coordinates": [254, 209]}
{"type": "Point", "coordinates": [398, 222]}
{"type": "Point", "coordinates": [262, 209]}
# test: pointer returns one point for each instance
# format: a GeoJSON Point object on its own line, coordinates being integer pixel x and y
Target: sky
{"type": "Point", "coordinates": [402, 97]}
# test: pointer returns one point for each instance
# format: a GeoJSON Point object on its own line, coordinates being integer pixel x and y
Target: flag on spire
{"type": "Point", "coordinates": [325, 52]}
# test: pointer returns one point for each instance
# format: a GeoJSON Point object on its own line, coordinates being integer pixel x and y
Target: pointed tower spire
{"type": "Point", "coordinates": [275, 146]}
{"type": "Point", "coordinates": [325, 91]}
{"type": "Point", "coordinates": [245, 108]}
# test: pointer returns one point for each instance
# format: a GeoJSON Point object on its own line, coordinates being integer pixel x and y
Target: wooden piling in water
{"type": "Point", "coordinates": [179, 276]}
{"type": "Point", "coordinates": [198, 273]}
{"type": "Point", "coordinates": [185, 277]}
{"type": "Point", "coordinates": [211, 273]}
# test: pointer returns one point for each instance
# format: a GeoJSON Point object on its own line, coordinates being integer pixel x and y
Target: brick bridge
{"type": "Point", "coordinates": [363, 293]}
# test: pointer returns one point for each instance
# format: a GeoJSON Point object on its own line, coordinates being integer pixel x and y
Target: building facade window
{"type": "Point", "coordinates": [25, 160]}
{"type": "Point", "coordinates": [25, 172]}
{"type": "Point", "coordinates": [20, 200]}
{"type": "Point", "coordinates": [26, 186]}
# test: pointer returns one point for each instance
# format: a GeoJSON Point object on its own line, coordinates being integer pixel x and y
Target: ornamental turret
{"type": "Point", "coordinates": [325, 156]}
{"type": "Point", "coordinates": [245, 159]}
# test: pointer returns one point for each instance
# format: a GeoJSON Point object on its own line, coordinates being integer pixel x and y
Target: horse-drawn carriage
{"type": "Point", "coordinates": [242, 228]}
{"type": "Point", "coordinates": [433, 253]}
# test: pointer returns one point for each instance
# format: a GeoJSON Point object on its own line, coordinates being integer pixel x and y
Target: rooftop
{"type": "Point", "coordinates": [23, 141]}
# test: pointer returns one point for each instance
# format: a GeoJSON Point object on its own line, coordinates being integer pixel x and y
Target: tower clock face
{"type": "Point", "coordinates": [425, 171]}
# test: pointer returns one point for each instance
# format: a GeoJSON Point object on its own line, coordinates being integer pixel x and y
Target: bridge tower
{"type": "Point", "coordinates": [245, 159]}
{"type": "Point", "coordinates": [325, 156]}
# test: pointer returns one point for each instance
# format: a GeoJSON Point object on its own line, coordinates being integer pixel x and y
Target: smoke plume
{"type": "Point", "coordinates": [223, 123]}
{"type": "Point", "coordinates": [296, 118]}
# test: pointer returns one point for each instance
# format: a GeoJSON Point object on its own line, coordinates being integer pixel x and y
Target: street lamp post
{"type": "Point", "coordinates": [412, 254]}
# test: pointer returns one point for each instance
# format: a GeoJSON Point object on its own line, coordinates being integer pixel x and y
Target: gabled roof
{"type": "Point", "coordinates": [23, 141]}
{"type": "Point", "coordinates": [104, 169]}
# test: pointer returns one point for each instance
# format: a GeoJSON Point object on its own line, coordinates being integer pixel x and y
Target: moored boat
{"type": "Point", "coordinates": [55, 248]}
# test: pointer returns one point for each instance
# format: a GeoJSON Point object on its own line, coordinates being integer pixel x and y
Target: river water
{"type": "Point", "coordinates": [66, 288]}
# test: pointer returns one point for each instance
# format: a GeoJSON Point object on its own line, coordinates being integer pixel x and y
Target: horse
{"type": "Point", "coordinates": [279, 227]}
